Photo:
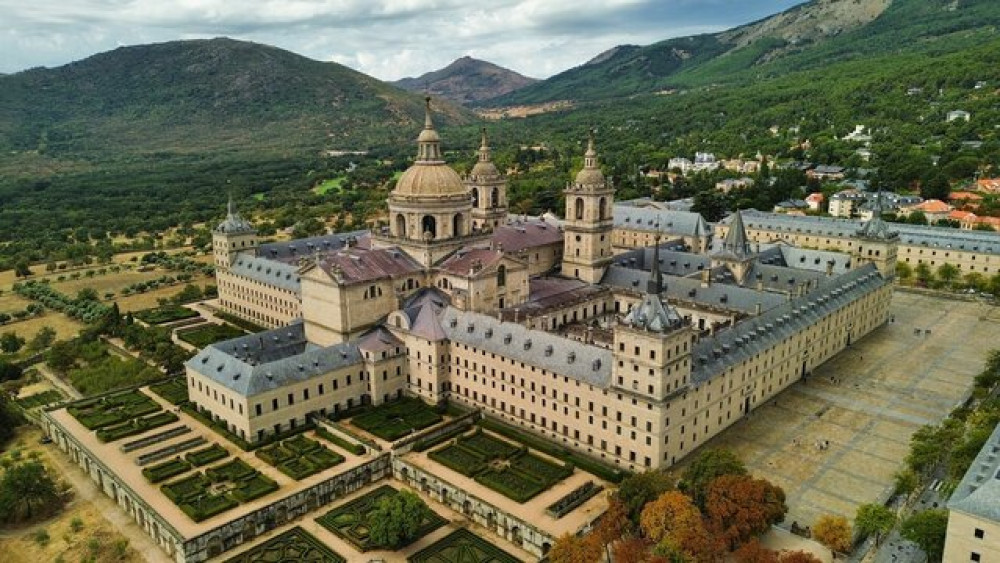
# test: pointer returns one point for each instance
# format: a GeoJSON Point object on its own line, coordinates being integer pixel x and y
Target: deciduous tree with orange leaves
{"type": "Point", "coordinates": [674, 522]}
{"type": "Point", "coordinates": [739, 507]}
{"type": "Point", "coordinates": [833, 532]}
{"type": "Point", "coordinates": [570, 548]}
{"type": "Point", "coordinates": [754, 552]}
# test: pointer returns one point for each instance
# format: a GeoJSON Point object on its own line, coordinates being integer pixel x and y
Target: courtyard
{"type": "Point", "coordinates": [835, 440]}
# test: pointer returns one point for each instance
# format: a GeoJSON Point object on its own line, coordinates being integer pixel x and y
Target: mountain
{"type": "Point", "coordinates": [203, 95]}
{"type": "Point", "coordinates": [812, 35]}
{"type": "Point", "coordinates": [467, 80]}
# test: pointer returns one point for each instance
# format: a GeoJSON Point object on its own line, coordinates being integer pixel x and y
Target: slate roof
{"type": "Point", "coordinates": [257, 363]}
{"type": "Point", "coordinates": [293, 250]}
{"type": "Point", "coordinates": [735, 246]}
{"type": "Point", "coordinates": [911, 235]}
{"type": "Point", "coordinates": [471, 261]}
{"type": "Point", "coordinates": [547, 293]}
{"type": "Point", "coordinates": [978, 493]}
{"type": "Point", "coordinates": [521, 235]}
{"type": "Point", "coordinates": [714, 354]}
{"type": "Point", "coordinates": [270, 272]}
{"type": "Point", "coordinates": [558, 355]}
{"type": "Point", "coordinates": [690, 290]}
{"type": "Point", "coordinates": [668, 222]}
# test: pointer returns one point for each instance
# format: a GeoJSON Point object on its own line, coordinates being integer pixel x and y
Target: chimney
{"type": "Point", "coordinates": [757, 309]}
{"type": "Point", "coordinates": [706, 278]}
{"type": "Point", "coordinates": [829, 267]}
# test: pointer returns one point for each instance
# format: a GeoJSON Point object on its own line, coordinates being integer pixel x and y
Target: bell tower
{"type": "Point", "coordinates": [234, 235]}
{"type": "Point", "coordinates": [877, 243]}
{"type": "Point", "coordinates": [488, 189]}
{"type": "Point", "coordinates": [588, 225]}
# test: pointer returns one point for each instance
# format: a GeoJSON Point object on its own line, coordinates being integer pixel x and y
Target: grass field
{"type": "Point", "coordinates": [329, 185]}
{"type": "Point", "coordinates": [64, 326]}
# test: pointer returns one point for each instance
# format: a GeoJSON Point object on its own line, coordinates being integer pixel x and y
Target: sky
{"type": "Point", "coordinates": [388, 39]}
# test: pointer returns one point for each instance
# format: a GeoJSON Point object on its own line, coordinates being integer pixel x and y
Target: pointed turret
{"type": "Point", "coordinates": [429, 142]}
{"type": "Point", "coordinates": [232, 236]}
{"type": "Point", "coordinates": [591, 174]}
{"type": "Point", "coordinates": [876, 228]}
{"type": "Point", "coordinates": [736, 240]}
{"type": "Point", "coordinates": [655, 284]}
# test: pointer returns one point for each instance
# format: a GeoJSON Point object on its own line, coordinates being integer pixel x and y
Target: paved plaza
{"type": "Point", "coordinates": [834, 441]}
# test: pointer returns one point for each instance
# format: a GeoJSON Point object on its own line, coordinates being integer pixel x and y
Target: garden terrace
{"type": "Point", "coordinates": [293, 546]}
{"type": "Point", "coordinates": [462, 546]}
{"type": "Point", "coordinates": [135, 426]}
{"type": "Point", "coordinates": [500, 465]}
{"type": "Point", "coordinates": [352, 522]}
{"type": "Point", "coordinates": [165, 314]}
{"type": "Point", "coordinates": [299, 457]}
{"type": "Point", "coordinates": [204, 456]}
{"type": "Point", "coordinates": [391, 421]}
{"type": "Point", "coordinates": [174, 390]}
{"type": "Point", "coordinates": [40, 399]}
{"type": "Point", "coordinates": [207, 334]}
{"type": "Point", "coordinates": [113, 409]}
{"type": "Point", "coordinates": [168, 451]}
{"type": "Point", "coordinates": [218, 489]}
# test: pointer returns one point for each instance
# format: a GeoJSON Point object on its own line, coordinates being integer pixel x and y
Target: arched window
{"type": "Point", "coordinates": [578, 212]}
{"type": "Point", "coordinates": [400, 225]}
{"type": "Point", "coordinates": [601, 211]}
{"type": "Point", "coordinates": [475, 197]}
{"type": "Point", "coordinates": [457, 225]}
{"type": "Point", "coordinates": [501, 275]}
{"type": "Point", "coordinates": [429, 225]}
{"type": "Point", "coordinates": [495, 198]}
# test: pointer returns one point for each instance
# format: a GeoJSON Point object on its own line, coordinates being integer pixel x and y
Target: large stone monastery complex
{"type": "Point", "coordinates": [590, 331]}
{"type": "Point", "coordinates": [624, 334]}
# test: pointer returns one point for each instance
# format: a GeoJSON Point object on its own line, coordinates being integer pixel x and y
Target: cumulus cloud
{"type": "Point", "coordinates": [388, 39]}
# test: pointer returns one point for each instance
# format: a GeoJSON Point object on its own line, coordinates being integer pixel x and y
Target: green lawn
{"type": "Point", "coordinates": [40, 399]}
{"type": "Point", "coordinates": [462, 546]}
{"type": "Point", "coordinates": [208, 334]}
{"type": "Point", "coordinates": [294, 546]}
{"type": "Point", "coordinates": [329, 185]}
{"type": "Point", "coordinates": [351, 521]}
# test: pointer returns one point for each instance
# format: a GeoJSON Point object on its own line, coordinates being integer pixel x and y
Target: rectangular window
{"type": "Point", "coordinates": [980, 534]}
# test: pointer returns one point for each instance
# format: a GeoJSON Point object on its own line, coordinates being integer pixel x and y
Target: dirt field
{"type": "Point", "coordinates": [64, 326]}
{"type": "Point", "coordinates": [95, 539]}
{"type": "Point", "coordinates": [866, 403]}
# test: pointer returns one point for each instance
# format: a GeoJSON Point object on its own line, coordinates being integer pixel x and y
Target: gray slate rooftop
{"type": "Point", "coordinates": [670, 223]}
{"type": "Point", "coordinates": [294, 250]}
{"type": "Point", "coordinates": [978, 493]}
{"type": "Point", "coordinates": [270, 272]}
{"type": "Point", "coordinates": [558, 355]}
{"type": "Point", "coordinates": [257, 363]}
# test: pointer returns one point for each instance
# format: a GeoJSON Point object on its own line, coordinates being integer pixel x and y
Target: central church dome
{"type": "Point", "coordinates": [429, 175]}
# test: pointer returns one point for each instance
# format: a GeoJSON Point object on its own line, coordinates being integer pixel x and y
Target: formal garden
{"type": "Point", "coordinates": [113, 409]}
{"type": "Point", "coordinates": [384, 518]}
{"type": "Point", "coordinates": [294, 546]}
{"type": "Point", "coordinates": [204, 456]}
{"type": "Point", "coordinates": [508, 469]}
{"type": "Point", "coordinates": [218, 489]}
{"type": "Point", "coordinates": [209, 333]}
{"type": "Point", "coordinates": [391, 421]}
{"type": "Point", "coordinates": [299, 457]}
{"type": "Point", "coordinates": [462, 546]}
{"type": "Point", "coordinates": [40, 399]}
{"type": "Point", "coordinates": [165, 314]}
{"type": "Point", "coordinates": [173, 390]}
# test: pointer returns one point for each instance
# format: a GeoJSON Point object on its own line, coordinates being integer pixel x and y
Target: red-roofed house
{"type": "Point", "coordinates": [933, 209]}
{"type": "Point", "coordinates": [988, 185]}
{"type": "Point", "coordinates": [815, 201]}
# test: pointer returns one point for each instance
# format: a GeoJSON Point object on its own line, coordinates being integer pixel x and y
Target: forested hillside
{"type": "Point", "coordinates": [764, 50]}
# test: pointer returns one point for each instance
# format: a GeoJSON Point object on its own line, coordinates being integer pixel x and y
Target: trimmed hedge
{"type": "Point", "coordinates": [425, 444]}
{"type": "Point", "coordinates": [208, 334]}
{"type": "Point", "coordinates": [204, 456]}
{"type": "Point", "coordinates": [391, 421]}
{"type": "Point", "coordinates": [299, 457]}
{"type": "Point", "coordinates": [582, 461]}
{"type": "Point", "coordinates": [575, 498]}
{"type": "Point", "coordinates": [135, 426]}
{"type": "Point", "coordinates": [112, 409]}
{"type": "Point", "coordinates": [164, 314]}
{"type": "Point", "coordinates": [175, 390]}
{"type": "Point", "coordinates": [356, 449]}
{"type": "Point", "coordinates": [165, 470]}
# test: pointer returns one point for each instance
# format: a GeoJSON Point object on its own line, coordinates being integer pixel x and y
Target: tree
{"type": "Point", "coordinates": [927, 529]}
{"type": "Point", "coordinates": [906, 481]}
{"type": "Point", "coordinates": [396, 519]}
{"type": "Point", "coordinates": [43, 339]}
{"type": "Point", "coordinates": [923, 272]}
{"type": "Point", "coordinates": [903, 270]}
{"type": "Point", "coordinates": [874, 519]}
{"type": "Point", "coordinates": [614, 523]}
{"type": "Point", "coordinates": [636, 490]}
{"type": "Point", "coordinates": [571, 548]}
{"type": "Point", "coordinates": [10, 418]}
{"type": "Point", "coordinates": [708, 466]}
{"type": "Point", "coordinates": [754, 552]}
{"type": "Point", "coordinates": [27, 491]}
{"type": "Point", "coordinates": [739, 507]}
{"type": "Point", "coordinates": [22, 269]}
{"type": "Point", "coordinates": [947, 273]}
{"type": "Point", "coordinates": [10, 342]}
{"type": "Point", "coordinates": [631, 550]}
{"type": "Point", "coordinates": [9, 371]}
{"type": "Point", "coordinates": [833, 532]}
{"type": "Point", "coordinates": [674, 523]}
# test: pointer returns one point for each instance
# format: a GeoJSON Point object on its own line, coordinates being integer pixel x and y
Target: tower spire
{"type": "Point", "coordinates": [590, 157]}
{"type": "Point", "coordinates": [428, 143]}
{"type": "Point", "coordinates": [484, 148]}
{"type": "Point", "coordinates": [655, 284]}
{"type": "Point", "coordinates": [229, 206]}
{"type": "Point", "coordinates": [428, 123]}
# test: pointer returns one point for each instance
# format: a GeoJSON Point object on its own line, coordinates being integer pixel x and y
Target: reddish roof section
{"type": "Point", "coordinates": [521, 235]}
{"type": "Point", "coordinates": [965, 196]}
{"type": "Point", "coordinates": [933, 206]}
{"type": "Point", "coordinates": [991, 185]}
{"type": "Point", "coordinates": [815, 197]}
{"type": "Point", "coordinates": [962, 216]}
{"type": "Point", "coordinates": [469, 261]}
{"type": "Point", "coordinates": [361, 264]}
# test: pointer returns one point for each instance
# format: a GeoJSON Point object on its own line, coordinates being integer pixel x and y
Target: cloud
{"type": "Point", "coordinates": [388, 39]}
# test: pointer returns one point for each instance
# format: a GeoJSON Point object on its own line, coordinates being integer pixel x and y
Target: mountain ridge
{"type": "Point", "coordinates": [467, 80]}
